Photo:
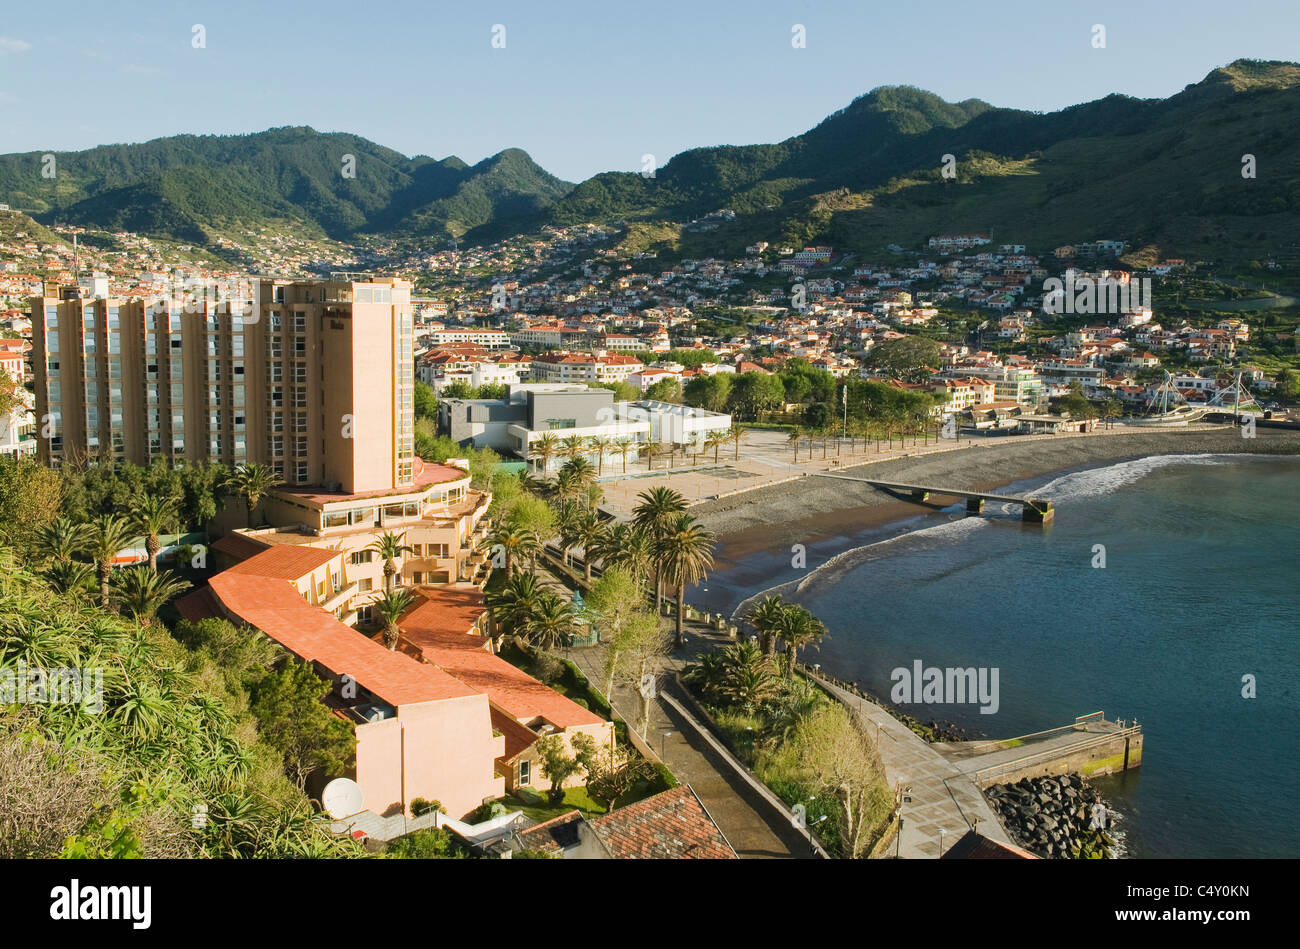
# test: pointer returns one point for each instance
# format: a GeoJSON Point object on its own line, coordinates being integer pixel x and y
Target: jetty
{"type": "Point", "coordinates": [1033, 510]}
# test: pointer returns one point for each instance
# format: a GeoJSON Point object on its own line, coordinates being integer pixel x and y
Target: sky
{"type": "Point", "coordinates": [583, 87]}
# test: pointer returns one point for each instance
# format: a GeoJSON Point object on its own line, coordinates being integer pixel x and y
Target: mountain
{"type": "Point", "coordinates": [1163, 174]}
{"type": "Point", "coordinates": [1160, 172]}
{"type": "Point", "coordinates": [195, 188]}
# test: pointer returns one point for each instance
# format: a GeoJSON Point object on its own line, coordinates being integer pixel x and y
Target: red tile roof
{"type": "Point", "coordinates": [507, 687]}
{"type": "Point", "coordinates": [238, 546]}
{"type": "Point", "coordinates": [426, 473]}
{"type": "Point", "coordinates": [285, 562]}
{"type": "Point", "coordinates": [672, 825]}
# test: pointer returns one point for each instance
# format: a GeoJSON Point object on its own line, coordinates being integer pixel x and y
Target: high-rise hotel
{"type": "Point", "coordinates": [312, 378]}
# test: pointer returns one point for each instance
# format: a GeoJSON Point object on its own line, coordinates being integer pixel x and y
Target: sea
{"type": "Point", "coordinates": [1166, 591]}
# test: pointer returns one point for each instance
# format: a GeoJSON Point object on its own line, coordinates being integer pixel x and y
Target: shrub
{"type": "Point", "coordinates": [548, 669]}
{"type": "Point", "coordinates": [420, 807]}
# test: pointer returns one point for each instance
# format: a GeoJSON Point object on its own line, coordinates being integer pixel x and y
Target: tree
{"type": "Point", "coordinates": [68, 578]}
{"type": "Point", "coordinates": [573, 446]}
{"type": "Point", "coordinates": [389, 547]}
{"type": "Point", "coordinates": [545, 448]}
{"type": "Point", "coordinates": [602, 447]}
{"type": "Point", "coordinates": [665, 390]}
{"type": "Point", "coordinates": [141, 591]}
{"type": "Point", "coordinates": [292, 719]}
{"type": "Point", "coordinates": [709, 391]}
{"type": "Point", "coordinates": [552, 622]}
{"type": "Point", "coordinates": [755, 392]}
{"type": "Point", "coordinates": [685, 554]}
{"type": "Point", "coordinates": [533, 515]}
{"type": "Point", "coordinates": [630, 548]}
{"type": "Point", "coordinates": [624, 447]}
{"type": "Point", "coordinates": [514, 604]}
{"type": "Point", "coordinates": [838, 760]}
{"type": "Point", "coordinates": [106, 535]}
{"type": "Point", "coordinates": [252, 482]}
{"type": "Point", "coordinates": [426, 403]}
{"type": "Point", "coordinates": [765, 617]}
{"type": "Point", "coordinates": [909, 358]}
{"type": "Point", "coordinates": [589, 532]}
{"type": "Point", "coordinates": [392, 606]}
{"type": "Point", "coordinates": [512, 544]}
{"type": "Point", "coordinates": [613, 771]}
{"type": "Point", "coordinates": [153, 515]}
{"type": "Point", "coordinates": [580, 471]}
{"type": "Point", "coordinates": [736, 435]}
{"type": "Point", "coordinates": [637, 652]}
{"type": "Point", "coordinates": [558, 765]}
{"type": "Point", "coordinates": [656, 509]}
{"type": "Point", "coordinates": [747, 678]}
{"type": "Point", "coordinates": [30, 496]}
{"type": "Point", "coordinates": [797, 627]}
{"type": "Point", "coordinates": [61, 540]}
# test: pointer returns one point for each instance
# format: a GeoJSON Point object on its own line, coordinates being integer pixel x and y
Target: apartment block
{"type": "Point", "coordinates": [312, 378]}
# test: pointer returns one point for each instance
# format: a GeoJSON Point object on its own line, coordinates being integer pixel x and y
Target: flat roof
{"type": "Point", "coordinates": [426, 473]}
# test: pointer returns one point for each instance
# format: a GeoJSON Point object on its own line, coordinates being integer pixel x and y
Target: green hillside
{"type": "Point", "coordinates": [194, 188]}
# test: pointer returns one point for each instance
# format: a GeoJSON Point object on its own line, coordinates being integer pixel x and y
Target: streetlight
{"type": "Point", "coordinates": [942, 831]}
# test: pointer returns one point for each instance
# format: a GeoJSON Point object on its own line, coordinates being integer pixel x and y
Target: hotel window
{"type": "Point", "coordinates": [362, 556]}
{"type": "Point", "coordinates": [300, 472]}
{"type": "Point", "coordinates": [275, 421]}
{"type": "Point", "coordinates": [275, 372]}
{"type": "Point", "coordinates": [525, 775]}
{"type": "Point", "coordinates": [277, 347]}
{"type": "Point", "coordinates": [276, 445]}
{"type": "Point", "coordinates": [277, 397]}
{"type": "Point", "coordinates": [365, 585]}
{"type": "Point", "coordinates": [300, 373]}
{"type": "Point", "coordinates": [438, 550]}
{"type": "Point", "coordinates": [300, 445]}
{"type": "Point", "coordinates": [300, 322]}
{"type": "Point", "coordinates": [276, 323]}
{"type": "Point", "coordinates": [417, 550]}
{"type": "Point", "coordinates": [417, 576]}
{"type": "Point", "coordinates": [300, 347]}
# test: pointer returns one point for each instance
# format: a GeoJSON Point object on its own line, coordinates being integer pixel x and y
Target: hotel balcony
{"type": "Point", "coordinates": [340, 596]}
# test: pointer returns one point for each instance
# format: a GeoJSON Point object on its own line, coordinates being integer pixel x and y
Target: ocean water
{"type": "Point", "coordinates": [1200, 589]}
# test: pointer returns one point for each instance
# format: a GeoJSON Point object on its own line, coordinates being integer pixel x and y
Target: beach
{"type": "Point", "coordinates": [812, 508]}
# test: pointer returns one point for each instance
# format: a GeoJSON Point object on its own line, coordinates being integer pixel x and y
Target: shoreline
{"type": "Point", "coordinates": [814, 508]}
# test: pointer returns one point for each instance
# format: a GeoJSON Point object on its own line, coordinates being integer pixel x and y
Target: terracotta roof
{"type": "Point", "coordinates": [507, 687]}
{"type": "Point", "coordinates": [275, 607]}
{"type": "Point", "coordinates": [519, 737]}
{"type": "Point", "coordinates": [672, 825]}
{"type": "Point", "coordinates": [285, 562]}
{"type": "Point", "coordinates": [445, 614]}
{"type": "Point", "coordinates": [239, 546]}
{"type": "Point", "coordinates": [554, 835]}
{"type": "Point", "coordinates": [973, 846]}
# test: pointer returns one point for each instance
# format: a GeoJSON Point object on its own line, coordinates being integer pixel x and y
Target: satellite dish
{"type": "Point", "coordinates": [341, 798]}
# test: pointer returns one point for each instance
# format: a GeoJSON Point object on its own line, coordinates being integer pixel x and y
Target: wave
{"type": "Point", "coordinates": [1076, 485]}
{"type": "Point", "coordinates": [1099, 481]}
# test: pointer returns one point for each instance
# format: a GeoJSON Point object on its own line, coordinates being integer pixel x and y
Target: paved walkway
{"type": "Point", "coordinates": [944, 798]}
{"type": "Point", "coordinates": [747, 822]}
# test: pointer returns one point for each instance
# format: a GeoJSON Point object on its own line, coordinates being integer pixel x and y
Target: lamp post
{"type": "Point", "coordinates": [942, 831]}
{"type": "Point", "coordinates": [663, 740]}
{"type": "Point", "coordinates": [812, 847]}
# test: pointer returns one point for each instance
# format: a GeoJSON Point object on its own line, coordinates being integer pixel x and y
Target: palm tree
{"type": "Point", "coordinates": [798, 628]}
{"type": "Point", "coordinates": [715, 440]}
{"type": "Point", "coordinates": [392, 605]}
{"type": "Point", "coordinates": [685, 556]}
{"type": "Point", "coordinates": [765, 617]}
{"type": "Point", "coordinates": [582, 471]}
{"type": "Point", "coordinates": [747, 678]}
{"type": "Point", "coordinates": [626, 546]}
{"type": "Point", "coordinates": [736, 436]}
{"type": "Point", "coordinates": [513, 542]}
{"type": "Point", "coordinates": [252, 482]}
{"type": "Point", "coordinates": [624, 447]}
{"type": "Point", "coordinates": [657, 509]}
{"type": "Point", "coordinates": [595, 494]}
{"type": "Point", "coordinates": [515, 603]}
{"type": "Point", "coordinates": [650, 449]}
{"type": "Point", "coordinates": [552, 623]}
{"type": "Point", "coordinates": [68, 578]}
{"type": "Point", "coordinates": [573, 447]}
{"type": "Point", "coordinates": [153, 515]}
{"type": "Point", "coordinates": [141, 591]}
{"type": "Point", "coordinates": [62, 539]}
{"type": "Point", "coordinates": [796, 436]}
{"type": "Point", "coordinates": [602, 446]}
{"type": "Point", "coordinates": [566, 522]}
{"type": "Point", "coordinates": [106, 535]}
{"type": "Point", "coordinates": [545, 448]}
{"type": "Point", "coordinates": [389, 547]}
{"type": "Point", "coordinates": [565, 487]}
{"type": "Point", "coordinates": [589, 533]}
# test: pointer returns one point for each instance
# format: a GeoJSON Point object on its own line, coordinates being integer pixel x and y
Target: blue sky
{"type": "Point", "coordinates": [583, 87]}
